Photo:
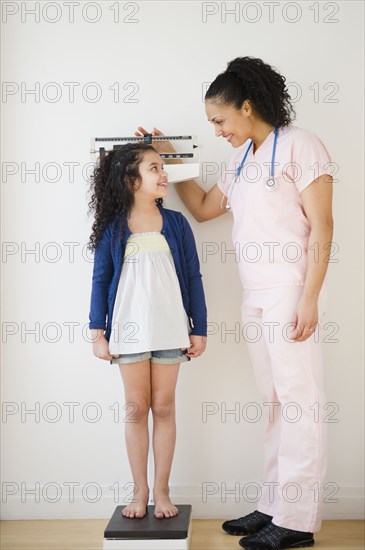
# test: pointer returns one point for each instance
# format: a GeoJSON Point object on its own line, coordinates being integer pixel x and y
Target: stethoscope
{"type": "Point", "coordinates": [270, 184]}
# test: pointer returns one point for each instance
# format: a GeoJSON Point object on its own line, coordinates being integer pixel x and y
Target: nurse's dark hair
{"type": "Point", "coordinates": [114, 179]}
{"type": "Point", "coordinates": [252, 79]}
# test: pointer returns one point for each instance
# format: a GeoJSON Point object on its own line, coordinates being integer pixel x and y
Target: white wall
{"type": "Point", "coordinates": [169, 52]}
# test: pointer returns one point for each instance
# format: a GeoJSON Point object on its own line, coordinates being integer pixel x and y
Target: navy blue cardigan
{"type": "Point", "coordinates": [108, 263]}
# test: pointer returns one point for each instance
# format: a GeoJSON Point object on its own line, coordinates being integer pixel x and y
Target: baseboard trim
{"type": "Point", "coordinates": [347, 503]}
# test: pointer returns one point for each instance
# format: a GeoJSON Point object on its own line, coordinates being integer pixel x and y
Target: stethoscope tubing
{"type": "Point", "coordinates": [270, 184]}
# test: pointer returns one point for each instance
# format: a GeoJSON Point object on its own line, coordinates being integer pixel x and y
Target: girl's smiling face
{"type": "Point", "coordinates": [232, 124]}
{"type": "Point", "coordinates": [153, 178]}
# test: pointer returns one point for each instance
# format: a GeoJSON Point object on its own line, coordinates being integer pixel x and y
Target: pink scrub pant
{"type": "Point", "coordinates": [289, 376]}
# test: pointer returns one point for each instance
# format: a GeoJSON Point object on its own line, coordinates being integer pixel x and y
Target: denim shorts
{"type": "Point", "coordinates": [164, 356]}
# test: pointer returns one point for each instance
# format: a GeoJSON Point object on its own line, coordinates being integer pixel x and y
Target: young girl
{"type": "Point", "coordinates": [147, 311]}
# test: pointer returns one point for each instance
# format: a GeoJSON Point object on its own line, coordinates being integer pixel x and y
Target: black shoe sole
{"type": "Point", "coordinates": [303, 544]}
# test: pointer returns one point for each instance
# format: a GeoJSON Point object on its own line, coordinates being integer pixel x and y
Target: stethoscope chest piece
{"type": "Point", "coordinates": [271, 184]}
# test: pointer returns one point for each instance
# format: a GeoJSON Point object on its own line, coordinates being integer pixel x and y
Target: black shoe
{"type": "Point", "coordinates": [273, 537]}
{"type": "Point", "coordinates": [247, 525]}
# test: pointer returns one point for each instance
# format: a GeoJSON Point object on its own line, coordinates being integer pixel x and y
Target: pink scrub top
{"type": "Point", "coordinates": [270, 229]}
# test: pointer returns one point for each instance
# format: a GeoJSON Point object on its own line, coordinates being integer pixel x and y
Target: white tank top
{"type": "Point", "coordinates": [148, 313]}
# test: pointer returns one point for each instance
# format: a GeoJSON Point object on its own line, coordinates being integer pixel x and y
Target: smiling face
{"type": "Point", "coordinates": [153, 178]}
{"type": "Point", "coordinates": [235, 125]}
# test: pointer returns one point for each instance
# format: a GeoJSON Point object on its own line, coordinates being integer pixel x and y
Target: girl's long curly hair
{"type": "Point", "coordinates": [112, 186]}
{"type": "Point", "coordinates": [252, 79]}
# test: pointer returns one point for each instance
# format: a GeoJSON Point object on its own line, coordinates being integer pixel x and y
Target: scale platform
{"type": "Point", "coordinates": [149, 533]}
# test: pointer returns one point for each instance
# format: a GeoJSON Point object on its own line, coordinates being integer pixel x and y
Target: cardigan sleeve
{"type": "Point", "coordinates": [198, 310]}
{"type": "Point", "coordinates": [102, 275]}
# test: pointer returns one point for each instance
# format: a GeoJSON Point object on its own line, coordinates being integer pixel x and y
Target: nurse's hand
{"type": "Point", "coordinates": [160, 146]}
{"type": "Point", "coordinates": [305, 320]}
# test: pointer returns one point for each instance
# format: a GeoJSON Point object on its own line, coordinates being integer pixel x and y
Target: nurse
{"type": "Point", "coordinates": [278, 188]}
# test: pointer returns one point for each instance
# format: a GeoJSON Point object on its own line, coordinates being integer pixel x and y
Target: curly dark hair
{"type": "Point", "coordinates": [250, 78]}
{"type": "Point", "coordinates": [112, 185]}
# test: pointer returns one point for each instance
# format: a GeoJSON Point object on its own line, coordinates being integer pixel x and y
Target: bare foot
{"type": "Point", "coordinates": [137, 509]}
{"type": "Point", "coordinates": [163, 505]}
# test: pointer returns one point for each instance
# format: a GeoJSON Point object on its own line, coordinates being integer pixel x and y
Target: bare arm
{"type": "Point", "coordinates": [317, 203]}
{"type": "Point", "coordinates": [201, 204]}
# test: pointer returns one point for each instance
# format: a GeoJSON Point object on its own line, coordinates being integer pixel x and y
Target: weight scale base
{"type": "Point", "coordinates": [149, 533]}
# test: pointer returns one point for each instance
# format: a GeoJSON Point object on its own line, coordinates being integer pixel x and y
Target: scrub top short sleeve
{"type": "Point", "coordinates": [311, 159]}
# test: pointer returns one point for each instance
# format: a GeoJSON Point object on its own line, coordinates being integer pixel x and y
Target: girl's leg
{"type": "Point", "coordinates": [163, 384]}
{"type": "Point", "coordinates": [137, 388]}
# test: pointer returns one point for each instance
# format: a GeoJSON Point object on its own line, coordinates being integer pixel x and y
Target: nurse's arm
{"type": "Point", "coordinates": [203, 205]}
{"type": "Point", "coordinates": [317, 204]}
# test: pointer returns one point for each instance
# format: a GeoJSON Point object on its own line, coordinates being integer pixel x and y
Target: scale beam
{"type": "Point", "coordinates": [176, 172]}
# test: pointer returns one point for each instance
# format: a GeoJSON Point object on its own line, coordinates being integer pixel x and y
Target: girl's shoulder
{"type": "Point", "coordinates": [176, 221]}
{"type": "Point", "coordinates": [173, 215]}
{"type": "Point", "coordinates": [108, 224]}
{"type": "Point", "coordinates": [111, 226]}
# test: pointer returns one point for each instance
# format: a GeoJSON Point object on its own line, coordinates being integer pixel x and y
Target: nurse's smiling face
{"type": "Point", "coordinates": [235, 125]}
